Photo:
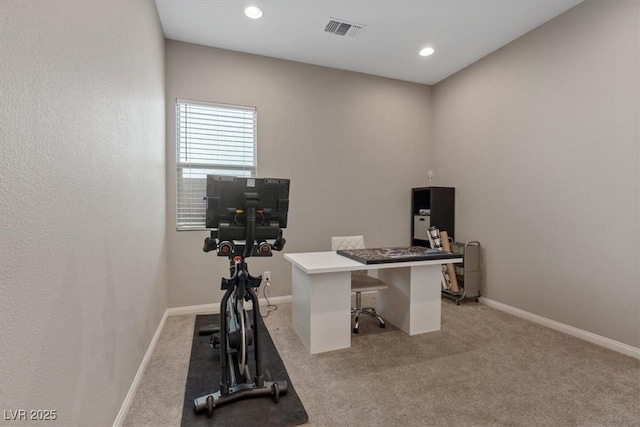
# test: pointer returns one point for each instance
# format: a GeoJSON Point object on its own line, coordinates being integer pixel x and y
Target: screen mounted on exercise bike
{"type": "Point", "coordinates": [246, 211]}
{"type": "Point", "coordinates": [228, 198]}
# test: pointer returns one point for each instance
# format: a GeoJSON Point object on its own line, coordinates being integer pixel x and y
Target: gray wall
{"type": "Point", "coordinates": [353, 146]}
{"type": "Point", "coordinates": [541, 140]}
{"type": "Point", "coordinates": [82, 192]}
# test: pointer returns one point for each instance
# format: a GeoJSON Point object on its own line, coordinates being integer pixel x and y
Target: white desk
{"type": "Point", "coordinates": [321, 291]}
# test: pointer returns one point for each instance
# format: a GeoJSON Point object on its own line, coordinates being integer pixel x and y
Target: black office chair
{"type": "Point", "coordinates": [360, 280]}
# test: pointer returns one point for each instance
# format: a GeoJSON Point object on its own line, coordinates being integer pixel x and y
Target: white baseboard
{"type": "Point", "coordinates": [215, 308]}
{"type": "Point", "coordinates": [124, 409]}
{"type": "Point", "coordinates": [578, 333]}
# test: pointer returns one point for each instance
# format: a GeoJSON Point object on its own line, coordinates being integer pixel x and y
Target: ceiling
{"type": "Point", "coordinates": [460, 31]}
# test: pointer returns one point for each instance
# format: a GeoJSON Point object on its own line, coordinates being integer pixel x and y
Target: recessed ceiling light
{"type": "Point", "coordinates": [253, 12]}
{"type": "Point", "coordinates": [426, 51]}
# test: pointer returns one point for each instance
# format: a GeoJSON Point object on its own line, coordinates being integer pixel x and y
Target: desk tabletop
{"type": "Point", "coordinates": [331, 262]}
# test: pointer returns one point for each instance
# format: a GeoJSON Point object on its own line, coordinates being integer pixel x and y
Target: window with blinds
{"type": "Point", "coordinates": [211, 139]}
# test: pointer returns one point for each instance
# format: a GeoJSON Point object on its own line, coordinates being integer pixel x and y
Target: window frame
{"type": "Point", "coordinates": [211, 168]}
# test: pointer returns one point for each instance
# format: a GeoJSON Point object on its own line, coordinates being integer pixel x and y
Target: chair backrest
{"type": "Point", "coordinates": [360, 278]}
{"type": "Point", "coordinates": [347, 242]}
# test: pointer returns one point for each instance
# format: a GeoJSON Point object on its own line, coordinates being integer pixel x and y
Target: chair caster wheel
{"type": "Point", "coordinates": [209, 407]}
{"type": "Point", "coordinates": [355, 330]}
{"type": "Point", "coordinates": [275, 392]}
{"type": "Point", "coordinates": [383, 325]}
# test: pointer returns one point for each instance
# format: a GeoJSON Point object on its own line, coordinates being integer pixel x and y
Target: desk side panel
{"type": "Point", "coordinates": [426, 299]}
{"type": "Point", "coordinates": [301, 304]}
{"type": "Point", "coordinates": [321, 309]}
{"type": "Point", "coordinates": [331, 312]}
{"type": "Point", "coordinates": [394, 302]}
{"type": "Point", "coordinates": [412, 300]}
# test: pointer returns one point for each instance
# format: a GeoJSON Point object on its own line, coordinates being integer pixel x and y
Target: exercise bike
{"type": "Point", "coordinates": [237, 331]}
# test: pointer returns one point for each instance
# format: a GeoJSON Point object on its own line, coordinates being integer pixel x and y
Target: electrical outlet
{"type": "Point", "coordinates": [266, 276]}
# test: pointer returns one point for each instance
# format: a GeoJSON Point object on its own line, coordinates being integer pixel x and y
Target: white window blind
{"type": "Point", "coordinates": [211, 139]}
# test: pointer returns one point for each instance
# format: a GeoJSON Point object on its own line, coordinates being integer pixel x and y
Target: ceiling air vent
{"type": "Point", "coordinates": [340, 27]}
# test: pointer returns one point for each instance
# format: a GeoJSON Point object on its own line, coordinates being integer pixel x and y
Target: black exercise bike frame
{"type": "Point", "coordinates": [240, 285]}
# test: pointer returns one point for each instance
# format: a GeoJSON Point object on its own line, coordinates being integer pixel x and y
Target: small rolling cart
{"type": "Point", "coordinates": [468, 274]}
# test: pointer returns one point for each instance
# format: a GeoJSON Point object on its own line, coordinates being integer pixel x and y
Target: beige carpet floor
{"type": "Point", "coordinates": [484, 368]}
